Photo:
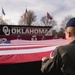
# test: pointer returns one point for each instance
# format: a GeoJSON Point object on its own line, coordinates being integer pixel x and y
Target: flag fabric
{"type": "Point", "coordinates": [3, 12]}
{"type": "Point", "coordinates": [49, 16]}
{"type": "Point", "coordinates": [19, 51]}
{"type": "Point", "coordinates": [26, 16]}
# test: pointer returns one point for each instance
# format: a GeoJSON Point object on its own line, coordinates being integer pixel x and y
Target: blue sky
{"type": "Point", "coordinates": [56, 8]}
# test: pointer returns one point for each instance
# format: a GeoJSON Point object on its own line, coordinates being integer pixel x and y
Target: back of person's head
{"type": "Point", "coordinates": [70, 26]}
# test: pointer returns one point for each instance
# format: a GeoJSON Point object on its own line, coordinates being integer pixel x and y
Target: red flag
{"type": "Point", "coordinates": [48, 16]}
{"type": "Point", "coordinates": [26, 16]}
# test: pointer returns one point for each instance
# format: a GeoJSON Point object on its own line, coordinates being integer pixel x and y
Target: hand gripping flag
{"type": "Point", "coordinates": [3, 12]}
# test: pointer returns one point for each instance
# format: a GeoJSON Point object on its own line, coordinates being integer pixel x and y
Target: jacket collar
{"type": "Point", "coordinates": [72, 42]}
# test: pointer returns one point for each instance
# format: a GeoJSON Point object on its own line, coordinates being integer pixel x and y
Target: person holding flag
{"type": "Point", "coordinates": [62, 61]}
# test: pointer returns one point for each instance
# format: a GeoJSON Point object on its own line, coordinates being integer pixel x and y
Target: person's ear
{"type": "Point", "coordinates": [69, 34]}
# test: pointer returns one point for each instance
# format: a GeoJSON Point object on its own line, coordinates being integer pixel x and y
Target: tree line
{"type": "Point", "coordinates": [28, 18]}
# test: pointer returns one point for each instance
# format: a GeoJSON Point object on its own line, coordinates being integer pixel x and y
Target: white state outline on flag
{"type": "Point", "coordinates": [27, 51]}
